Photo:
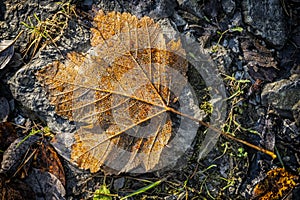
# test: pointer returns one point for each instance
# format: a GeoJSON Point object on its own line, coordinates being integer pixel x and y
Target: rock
{"type": "Point", "coordinates": [178, 20]}
{"type": "Point", "coordinates": [4, 109]}
{"type": "Point", "coordinates": [119, 183]}
{"type": "Point", "coordinates": [26, 89]}
{"type": "Point", "coordinates": [267, 19]}
{"type": "Point", "coordinates": [191, 6]}
{"type": "Point", "coordinates": [234, 45]}
{"type": "Point", "coordinates": [296, 113]}
{"type": "Point", "coordinates": [156, 9]}
{"type": "Point", "coordinates": [163, 9]}
{"type": "Point", "coordinates": [88, 3]}
{"type": "Point", "coordinates": [14, 13]}
{"type": "Point", "coordinates": [228, 6]}
{"type": "Point", "coordinates": [282, 95]}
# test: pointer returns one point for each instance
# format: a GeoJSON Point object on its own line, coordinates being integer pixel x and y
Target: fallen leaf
{"type": "Point", "coordinates": [4, 109]}
{"type": "Point", "coordinates": [15, 190]}
{"type": "Point", "coordinates": [45, 185]}
{"type": "Point", "coordinates": [14, 154]}
{"type": "Point", "coordinates": [260, 61]}
{"type": "Point", "coordinates": [129, 97]}
{"type": "Point", "coordinates": [7, 50]}
{"type": "Point", "coordinates": [47, 160]}
{"type": "Point", "coordinates": [276, 185]}
{"type": "Point", "coordinates": [121, 94]}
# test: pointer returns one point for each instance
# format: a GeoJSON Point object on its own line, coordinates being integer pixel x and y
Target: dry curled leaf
{"type": "Point", "coordinates": [6, 52]}
{"type": "Point", "coordinates": [14, 154]}
{"type": "Point", "coordinates": [46, 159]}
{"type": "Point", "coordinates": [45, 185]}
{"type": "Point", "coordinates": [261, 62]}
{"type": "Point", "coordinates": [276, 185]}
{"type": "Point", "coordinates": [121, 94]}
{"type": "Point", "coordinates": [15, 189]}
{"type": "Point", "coordinates": [8, 134]}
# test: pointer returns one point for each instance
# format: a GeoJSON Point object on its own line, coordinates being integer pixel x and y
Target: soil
{"type": "Point", "coordinates": [255, 46]}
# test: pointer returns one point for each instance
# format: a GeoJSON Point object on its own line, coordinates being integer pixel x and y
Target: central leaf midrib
{"type": "Point", "coordinates": [115, 92]}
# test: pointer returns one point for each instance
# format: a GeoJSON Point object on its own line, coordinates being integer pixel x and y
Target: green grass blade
{"type": "Point", "coordinates": [143, 189]}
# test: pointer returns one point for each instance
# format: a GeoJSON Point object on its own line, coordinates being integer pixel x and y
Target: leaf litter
{"type": "Point", "coordinates": [7, 50]}
{"type": "Point", "coordinates": [30, 168]}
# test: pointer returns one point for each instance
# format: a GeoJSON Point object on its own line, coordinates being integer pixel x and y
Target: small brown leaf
{"type": "Point", "coordinates": [261, 62]}
{"type": "Point", "coordinates": [46, 159]}
{"type": "Point", "coordinates": [276, 185]}
{"type": "Point", "coordinates": [15, 190]}
{"type": "Point", "coordinates": [45, 185]}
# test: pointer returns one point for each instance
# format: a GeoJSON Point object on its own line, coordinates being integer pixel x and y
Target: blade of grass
{"type": "Point", "coordinates": [143, 189]}
{"type": "Point", "coordinates": [279, 157]}
{"type": "Point", "coordinates": [33, 132]}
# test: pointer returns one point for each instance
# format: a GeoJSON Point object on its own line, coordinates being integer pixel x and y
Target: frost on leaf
{"type": "Point", "coordinates": [124, 96]}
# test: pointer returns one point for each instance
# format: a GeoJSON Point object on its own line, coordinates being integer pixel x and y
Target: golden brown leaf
{"type": "Point", "coordinates": [276, 185]}
{"type": "Point", "coordinates": [120, 91]}
{"type": "Point", "coordinates": [125, 95]}
{"type": "Point", "coordinates": [129, 97]}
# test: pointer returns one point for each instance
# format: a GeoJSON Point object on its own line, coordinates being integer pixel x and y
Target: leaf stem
{"type": "Point", "coordinates": [270, 153]}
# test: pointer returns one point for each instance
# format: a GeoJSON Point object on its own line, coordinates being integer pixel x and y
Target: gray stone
{"type": "Point", "coordinates": [28, 91]}
{"type": "Point", "coordinates": [191, 6]}
{"type": "Point", "coordinates": [296, 113]}
{"type": "Point", "coordinates": [156, 9]}
{"type": "Point", "coordinates": [267, 19]}
{"type": "Point", "coordinates": [178, 20]}
{"type": "Point", "coordinates": [282, 95]}
{"type": "Point", "coordinates": [239, 75]}
{"type": "Point", "coordinates": [234, 45]}
{"type": "Point", "coordinates": [228, 6]}
{"type": "Point", "coordinates": [119, 183]}
{"type": "Point", "coordinates": [163, 9]}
